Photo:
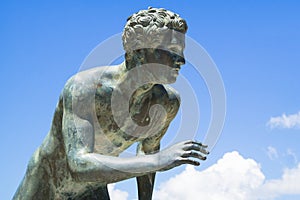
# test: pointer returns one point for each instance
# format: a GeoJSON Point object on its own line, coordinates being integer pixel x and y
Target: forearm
{"type": "Point", "coordinates": [107, 169]}
{"type": "Point", "coordinates": [91, 167]}
{"type": "Point", "coordinates": [145, 186]}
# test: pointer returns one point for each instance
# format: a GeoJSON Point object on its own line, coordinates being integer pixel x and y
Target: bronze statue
{"type": "Point", "coordinates": [80, 154]}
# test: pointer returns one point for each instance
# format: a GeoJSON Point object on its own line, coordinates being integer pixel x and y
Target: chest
{"type": "Point", "coordinates": [123, 121]}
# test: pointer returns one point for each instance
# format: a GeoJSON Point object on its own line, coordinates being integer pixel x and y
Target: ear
{"type": "Point", "coordinates": [157, 54]}
{"type": "Point", "coordinates": [148, 55]}
{"type": "Point", "coordinates": [140, 56]}
{"type": "Point", "coordinates": [135, 58]}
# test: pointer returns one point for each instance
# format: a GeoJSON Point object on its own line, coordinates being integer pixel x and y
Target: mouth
{"type": "Point", "coordinates": [176, 69]}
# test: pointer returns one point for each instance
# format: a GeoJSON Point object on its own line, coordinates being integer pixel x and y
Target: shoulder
{"type": "Point", "coordinates": [168, 94]}
{"type": "Point", "coordinates": [80, 89]}
{"type": "Point", "coordinates": [172, 93]}
{"type": "Point", "coordinates": [168, 97]}
{"type": "Point", "coordinates": [174, 99]}
{"type": "Point", "coordinates": [87, 81]}
{"type": "Point", "coordinates": [166, 91]}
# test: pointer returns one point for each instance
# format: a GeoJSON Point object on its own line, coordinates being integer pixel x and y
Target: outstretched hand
{"type": "Point", "coordinates": [186, 152]}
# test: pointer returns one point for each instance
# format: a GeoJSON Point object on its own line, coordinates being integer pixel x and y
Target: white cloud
{"type": "Point", "coordinates": [285, 121]}
{"type": "Point", "coordinates": [272, 152]}
{"type": "Point", "coordinates": [287, 184]}
{"type": "Point", "coordinates": [232, 177]}
{"type": "Point", "coordinates": [116, 194]}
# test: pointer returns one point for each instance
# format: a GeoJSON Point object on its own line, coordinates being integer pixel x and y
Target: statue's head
{"type": "Point", "coordinates": [154, 36]}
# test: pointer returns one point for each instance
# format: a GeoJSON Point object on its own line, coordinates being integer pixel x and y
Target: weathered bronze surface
{"type": "Point", "coordinates": [79, 156]}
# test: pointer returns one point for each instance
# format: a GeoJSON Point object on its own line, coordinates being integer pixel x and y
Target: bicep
{"type": "Point", "coordinates": [77, 131]}
{"type": "Point", "coordinates": [78, 134]}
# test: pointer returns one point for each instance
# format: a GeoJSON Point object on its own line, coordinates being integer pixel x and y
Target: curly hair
{"type": "Point", "coordinates": [146, 28]}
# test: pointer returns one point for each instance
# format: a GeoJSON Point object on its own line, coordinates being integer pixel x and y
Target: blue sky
{"type": "Point", "coordinates": [255, 45]}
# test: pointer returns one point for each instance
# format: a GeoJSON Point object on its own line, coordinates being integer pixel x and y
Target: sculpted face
{"type": "Point", "coordinates": [155, 36]}
{"type": "Point", "coordinates": [170, 53]}
{"type": "Point", "coordinates": [161, 57]}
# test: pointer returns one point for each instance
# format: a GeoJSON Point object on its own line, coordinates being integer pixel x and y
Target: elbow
{"type": "Point", "coordinates": [83, 170]}
{"type": "Point", "coordinates": [78, 168]}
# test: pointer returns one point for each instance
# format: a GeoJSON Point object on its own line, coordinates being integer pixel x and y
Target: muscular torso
{"type": "Point", "coordinates": [87, 95]}
{"type": "Point", "coordinates": [95, 105]}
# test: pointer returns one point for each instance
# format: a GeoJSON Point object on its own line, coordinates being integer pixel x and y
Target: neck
{"type": "Point", "coordinates": [129, 65]}
{"type": "Point", "coordinates": [129, 81]}
{"type": "Point", "coordinates": [132, 63]}
{"type": "Point", "coordinates": [138, 57]}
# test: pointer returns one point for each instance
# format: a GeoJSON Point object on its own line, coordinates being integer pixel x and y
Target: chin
{"type": "Point", "coordinates": [172, 79]}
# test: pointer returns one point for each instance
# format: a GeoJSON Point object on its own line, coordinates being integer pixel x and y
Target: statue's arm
{"type": "Point", "coordinates": [88, 166]}
{"type": "Point", "coordinates": [85, 165]}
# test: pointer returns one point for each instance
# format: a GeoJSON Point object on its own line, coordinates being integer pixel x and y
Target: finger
{"type": "Point", "coordinates": [202, 145]}
{"type": "Point", "coordinates": [195, 147]}
{"type": "Point", "coordinates": [188, 161]}
{"type": "Point", "coordinates": [194, 155]}
{"type": "Point", "coordinates": [197, 143]}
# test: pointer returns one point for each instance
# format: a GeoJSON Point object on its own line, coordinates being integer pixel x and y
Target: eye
{"type": "Point", "coordinates": [176, 49]}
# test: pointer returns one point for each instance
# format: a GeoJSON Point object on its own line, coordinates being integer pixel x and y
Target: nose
{"type": "Point", "coordinates": [178, 60]}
